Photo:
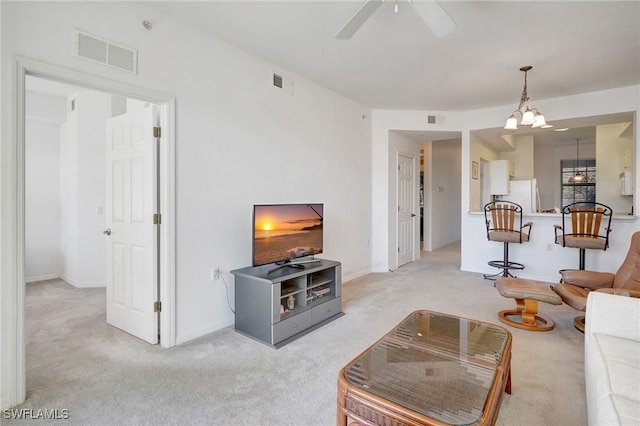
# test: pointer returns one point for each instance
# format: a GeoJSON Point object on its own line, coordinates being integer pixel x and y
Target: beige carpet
{"type": "Point", "coordinates": [102, 376]}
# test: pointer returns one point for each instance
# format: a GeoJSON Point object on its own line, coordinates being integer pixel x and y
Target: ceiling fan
{"type": "Point", "coordinates": [436, 18]}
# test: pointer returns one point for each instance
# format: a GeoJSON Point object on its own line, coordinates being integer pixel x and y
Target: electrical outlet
{"type": "Point", "coordinates": [215, 273]}
{"type": "Point", "coordinates": [549, 247]}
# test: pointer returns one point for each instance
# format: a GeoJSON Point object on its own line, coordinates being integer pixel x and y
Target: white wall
{"type": "Point", "coordinates": [522, 157]}
{"type": "Point", "coordinates": [69, 199]}
{"type": "Point", "coordinates": [93, 110]}
{"type": "Point", "coordinates": [239, 141]}
{"type": "Point", "coordinates": [480, 152]}
{"type": "Point", "coordinates": [445, 204]}
{"type": "Point", "coordinates": [42, 213]}
{"type": "Point", "coordinates": [442, 164]}
{"type": "Point", "coordinates": [82, 190]}
{"type": "Point", "coordinates": [609, 147]}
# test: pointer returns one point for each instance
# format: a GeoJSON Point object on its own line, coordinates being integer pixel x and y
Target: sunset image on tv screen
{"type": "Point", "coordinates": [286, 231]}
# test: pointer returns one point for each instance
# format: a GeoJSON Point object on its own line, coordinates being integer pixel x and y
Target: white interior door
{"type": "Point", "coordinates": [132, 236]}
{"type": "Point", "coordinates": [406, 209]}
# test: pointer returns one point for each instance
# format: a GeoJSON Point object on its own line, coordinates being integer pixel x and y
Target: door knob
{"type": "Point", "coordinates": [107, 231]}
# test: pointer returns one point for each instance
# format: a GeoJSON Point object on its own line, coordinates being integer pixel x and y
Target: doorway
{"type": "Point", "coordinates": [13, 305]}
{"type": "Point", "coordinates": [439, 189]}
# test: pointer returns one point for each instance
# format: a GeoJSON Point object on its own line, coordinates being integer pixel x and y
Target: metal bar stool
{"type": "Point", "coordinates": [504, 224]}
{"type": "Point", "coordinates": [586, 230]}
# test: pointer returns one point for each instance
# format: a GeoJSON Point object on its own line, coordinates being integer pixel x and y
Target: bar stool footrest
{"type": "Point", "coordinates": [506, 265]}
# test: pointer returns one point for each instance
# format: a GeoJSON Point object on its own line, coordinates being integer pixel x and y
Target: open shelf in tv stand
{"type": "Point", "coordinates": [262, 292]}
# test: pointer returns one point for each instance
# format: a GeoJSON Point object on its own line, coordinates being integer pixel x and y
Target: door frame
{"type": "Point", "coordinates": [13, 339]}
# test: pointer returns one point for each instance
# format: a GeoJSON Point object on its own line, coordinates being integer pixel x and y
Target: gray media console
{"type": "Point", "coordinates": [278, 306]}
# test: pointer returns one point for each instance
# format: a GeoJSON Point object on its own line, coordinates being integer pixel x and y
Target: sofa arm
{"type": "Point", "coordinates": [587, 279]}
{"type": "Point", "coordinates": [620, 292]}
{"type": "Point", "coordinates": [613, 315]}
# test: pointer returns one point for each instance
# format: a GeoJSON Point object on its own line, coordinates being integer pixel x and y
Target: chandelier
{"type": "Point", "coordinates": [577, 176]}
{"type": "Point", "coordinates": [525, 114]}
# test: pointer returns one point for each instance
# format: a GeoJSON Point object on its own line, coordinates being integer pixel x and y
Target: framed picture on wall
{"type": "Point", "coordinates": [474, 169]}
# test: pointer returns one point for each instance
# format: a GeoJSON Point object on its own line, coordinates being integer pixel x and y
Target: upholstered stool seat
{"type": "Point", "coordinates": [527, 294]}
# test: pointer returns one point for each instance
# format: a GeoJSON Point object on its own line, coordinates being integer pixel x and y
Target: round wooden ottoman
{"type": "Point", "coordinates": [527, 294]}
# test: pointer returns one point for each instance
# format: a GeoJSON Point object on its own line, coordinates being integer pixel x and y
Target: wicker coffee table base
{"type": "Point", "coordinates": [365, 397]}
{"type": "Point", "coordinates": [368, 409]}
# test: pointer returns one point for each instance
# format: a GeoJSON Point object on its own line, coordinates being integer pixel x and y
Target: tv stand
{"type": "Point", "coordinates": [276, 306]}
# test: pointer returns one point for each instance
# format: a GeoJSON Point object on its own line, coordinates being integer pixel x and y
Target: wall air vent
{"type": "Point", "coordinates": [282, 82]}
{"type": "Point", "coordinates": [277, 80]}
{"type": "Point", "coordinates": [103, 51]}
{"type": "Point", "coordinates": [434, 119]}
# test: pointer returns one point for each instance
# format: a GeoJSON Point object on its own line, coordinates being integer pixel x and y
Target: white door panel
{"type": "Point", "coordinates": [406, 209]}
{"type": "Point", "coordinates": [132, 281]}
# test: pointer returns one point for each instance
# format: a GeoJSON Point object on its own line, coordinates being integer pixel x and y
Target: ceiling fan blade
{"type": "Point", "coordinates": [436, 18]}
{"type": "Point", "coordinates": [358, 19]}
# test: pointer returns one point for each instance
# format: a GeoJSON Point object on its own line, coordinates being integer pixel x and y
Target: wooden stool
{"type": "Point", "coordinates": [527, 294]}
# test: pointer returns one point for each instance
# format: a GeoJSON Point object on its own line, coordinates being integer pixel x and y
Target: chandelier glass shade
{"type": "Point", "coordinates": [525, 115]}
{"type": "Point", "coordinates": [577, 178]}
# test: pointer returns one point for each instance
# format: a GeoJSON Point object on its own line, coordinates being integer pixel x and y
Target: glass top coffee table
{"type": "Point", "coordinates": [431, 369]}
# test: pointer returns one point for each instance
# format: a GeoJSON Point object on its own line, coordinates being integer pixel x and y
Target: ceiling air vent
{"type": "Point", "coordinates": [103, 51]}
{"type": "Point", "coordinates": [282, 82]}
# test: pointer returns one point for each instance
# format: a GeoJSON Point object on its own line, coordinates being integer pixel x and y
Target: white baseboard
{"type": "Point", "coordinates": [91, 285]}
{"type": "Point", "coordinates": [37, 278]}
{"type": "Point", "coordinates": [85, 284]}
{"type": "Point", "coordinates": [203, 331]}
{"type": "Point", "coordinates": [356, 275]}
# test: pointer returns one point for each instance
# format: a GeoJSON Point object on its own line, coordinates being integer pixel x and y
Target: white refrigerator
{"type": "Point", "coordinates": [525, 193]}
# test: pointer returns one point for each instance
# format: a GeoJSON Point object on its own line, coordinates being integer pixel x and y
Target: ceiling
{"type": "Point", "coordinates": [395, 62]}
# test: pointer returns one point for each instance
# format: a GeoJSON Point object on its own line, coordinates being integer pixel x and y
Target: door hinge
{"type": "Point", "coordinates": [157, 219]}
{"type": "Point", "coordinates": [157, 132]}
{"type": "Point", "coordinates": [157, 306]}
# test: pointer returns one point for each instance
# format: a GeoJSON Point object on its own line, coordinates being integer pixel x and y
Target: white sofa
{"type": "Point", "coordinates": [612, 359]}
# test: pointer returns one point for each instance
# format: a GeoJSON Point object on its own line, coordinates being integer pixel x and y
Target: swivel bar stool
{"type": "Point", "coordinates": [504, 225]}
{"type": "Point", "coordinates": [589, 229]}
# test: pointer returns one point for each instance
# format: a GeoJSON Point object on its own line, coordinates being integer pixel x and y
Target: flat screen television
{"type": "Point", "coordinates": [283, 233]}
